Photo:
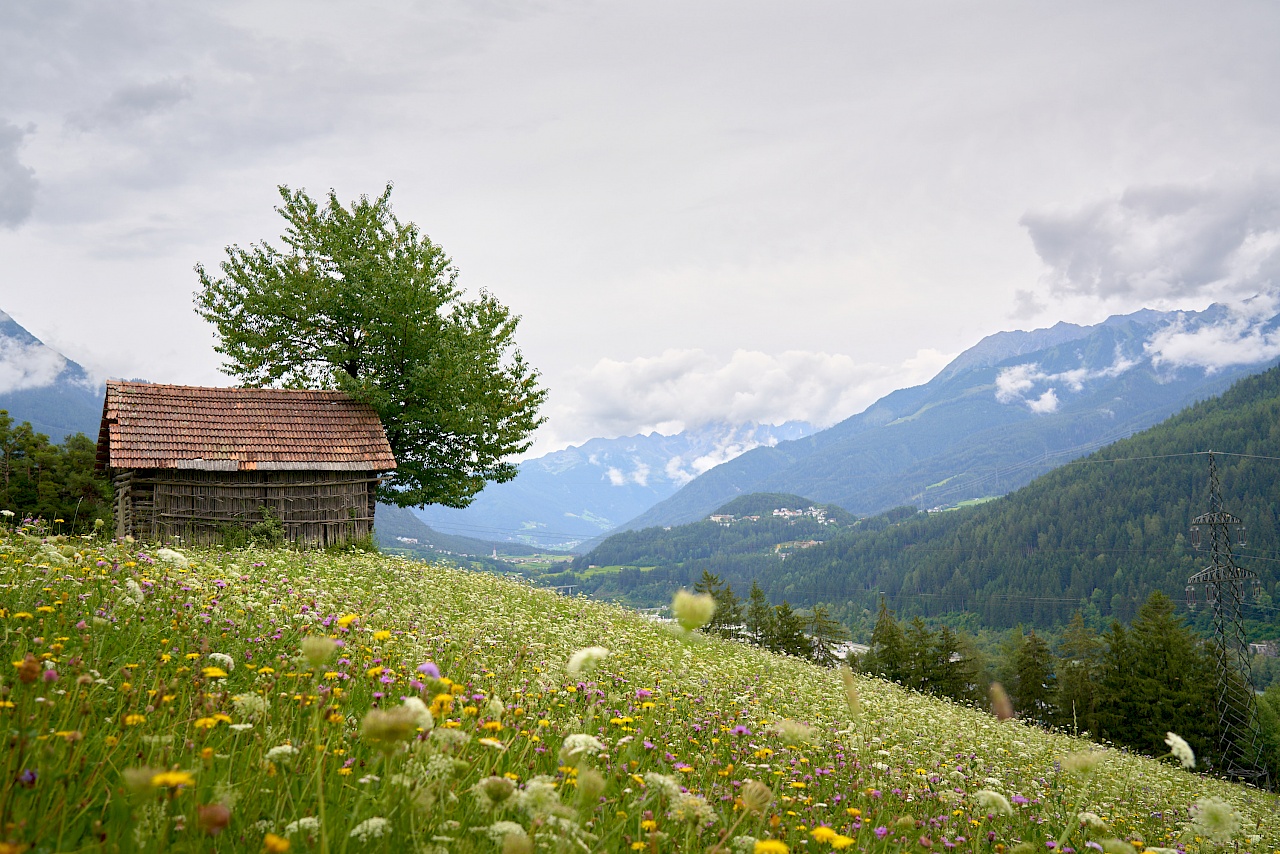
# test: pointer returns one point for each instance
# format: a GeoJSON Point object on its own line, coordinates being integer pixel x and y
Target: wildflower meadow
{"type": "Point", "coordinates": [279, 700]}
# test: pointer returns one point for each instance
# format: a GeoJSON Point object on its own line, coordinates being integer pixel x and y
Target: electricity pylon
{"type": "Point", "coordinates": [1224, 586]}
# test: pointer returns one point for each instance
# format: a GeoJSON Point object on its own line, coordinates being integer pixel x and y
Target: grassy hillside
{"type": "Point", "coordinates": [160, 701]}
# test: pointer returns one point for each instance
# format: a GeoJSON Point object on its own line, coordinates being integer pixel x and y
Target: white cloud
{"type": "Point", "coordinates": [1017, 383]}
{"type": "Point", "coordinates": [686, 389]}
{"type": "Point", "coordinates": [30, 365]}
{"type": "Point", "coordinates": [17, 182]}
{"type": "Point", "coordinates": [1045, 403]}
{"type": "Point", "coordinates": [1247, 334]}
{"type": "Point", "coordinates": [1157, 243]}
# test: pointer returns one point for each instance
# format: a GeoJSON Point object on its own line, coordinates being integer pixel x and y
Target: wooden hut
{"type": "Point", "coordinates": [194, 464]}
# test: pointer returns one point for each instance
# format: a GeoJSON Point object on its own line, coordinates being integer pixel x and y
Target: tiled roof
{"type": "Point", "coordinates": [238, 429]}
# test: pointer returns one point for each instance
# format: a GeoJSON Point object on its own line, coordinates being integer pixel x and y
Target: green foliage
{"type": "Point", "coordinates": [759, 617]}
{"type": "Point", "coordinates": [52, 482]}
{"type": "Point", "coordinates": [366, 303]}
{"type": "Point", "coordinates": [825, 633]}
{"type": "Point", "coordinates": [728, 618]}
{"type": "Point", "coordinates": [268, 533]}
{"type": "Point", "coordinates": [1032, 690]}
{"type": "Point", "coordinates": [1079, 666]}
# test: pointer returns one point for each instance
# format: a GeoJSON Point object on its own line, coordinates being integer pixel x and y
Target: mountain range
{"type": "Point", "coordinates": [1097, 535]}
{"type": "Point", "coordinates": [41, 386]}
{"type": "Point", "coordinates": [564, 498]}
{"type": "Point", "coordinates": [1012, 407]}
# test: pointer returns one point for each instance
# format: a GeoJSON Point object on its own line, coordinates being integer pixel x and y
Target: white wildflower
{"type": "Point", "coordinates": [223, 660]}
{"type": "Point", "coordinates": [310, 824]}
{"type": "Point", "coordinates": [1180, 749]}
{"type": "Point", "coordinates": [421, 713]}
{"type": "Point", "coordinates": [663, 785]}
{"type": "Point", "coordinates": [693, 809]}
{"type": "Point", "coordinates": [500, 830]}
{"type": "Point", "coordinates": [993, 802]}
{"type": "Point", "coordinates": [280, 751]}
{"type": "Point", "coordinates": [174, 557]}
{"type": "Point", "coordinates": [370, 828]}
{"type": "Point", "coordinates": [585, 660]}
{"type": "Point", "coordinates": [578, 745]}
{"type": "Point", "coordinates": [250, 706]}
{"type": "Point", "coordinates": [539, 798]}
{"type": "Point", "coordinates": [1215, 819]}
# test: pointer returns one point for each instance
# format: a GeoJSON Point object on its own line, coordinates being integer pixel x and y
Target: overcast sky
{"type": "Point", "coordinates": [702, 210]}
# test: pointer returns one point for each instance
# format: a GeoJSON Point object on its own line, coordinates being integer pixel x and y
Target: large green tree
{"type": "Point", "coordinates": [360, 301]}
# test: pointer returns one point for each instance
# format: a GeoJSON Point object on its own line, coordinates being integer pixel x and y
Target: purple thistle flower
{"type": "Point", "coordinates": [428, 668]}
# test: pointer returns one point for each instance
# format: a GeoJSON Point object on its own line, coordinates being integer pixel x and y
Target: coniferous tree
{"type": "Point", "coordinates": [919, 668]}
{"type": "Point", "coordinates": [824, 633]}
{"type": "Point", "coordinates": [1157, 678]}
{"type": "Point", "coordinates": [887, 656]}
{"type": "Point", "coordinates": [954, 667]}
{"type": "Point", "coordinates": [759, 617]}
{"type": "Point", "coordinates": [788, 632]}
{"type": "Point", "coordinates": [1079, 665]}
{"type": "Point", "coordinates": [728, 618]}
{"type": "Point", "coordinates": [1033, 686]}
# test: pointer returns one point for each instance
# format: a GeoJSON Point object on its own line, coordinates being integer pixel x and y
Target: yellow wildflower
{"type": "Point", "coordinates": [171, 779]}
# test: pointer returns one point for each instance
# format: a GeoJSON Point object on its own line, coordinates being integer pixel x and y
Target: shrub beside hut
{"type": "Point", "coordinates": [205, 465]}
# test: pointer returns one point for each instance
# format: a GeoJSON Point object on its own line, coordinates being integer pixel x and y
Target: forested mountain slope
{"type": "Point", "coordinates": [1099, 534]}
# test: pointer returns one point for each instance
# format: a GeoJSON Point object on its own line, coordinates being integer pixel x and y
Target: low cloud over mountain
{"type": "Point", "coordinates": [688, 389]}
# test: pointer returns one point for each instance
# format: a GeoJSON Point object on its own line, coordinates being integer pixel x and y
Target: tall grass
{"type": "Point", "coordinates": [162, 701]}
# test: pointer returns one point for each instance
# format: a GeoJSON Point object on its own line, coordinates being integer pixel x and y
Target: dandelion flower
{"type": "Point", "coordinates": [1180, 749]}
{"type": "Point", "coordinates": [214, 673]}
{"type": "Point", "coordinates": [585, 660]}
{"type": "Point", "coordinates": [693, 610]}
{"type": "Point", "coordinates": [275, 844]}
{"type": "Point", "coordinates": [172, 779]}
{"type": "Point", "coordinates": [771, 846]}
